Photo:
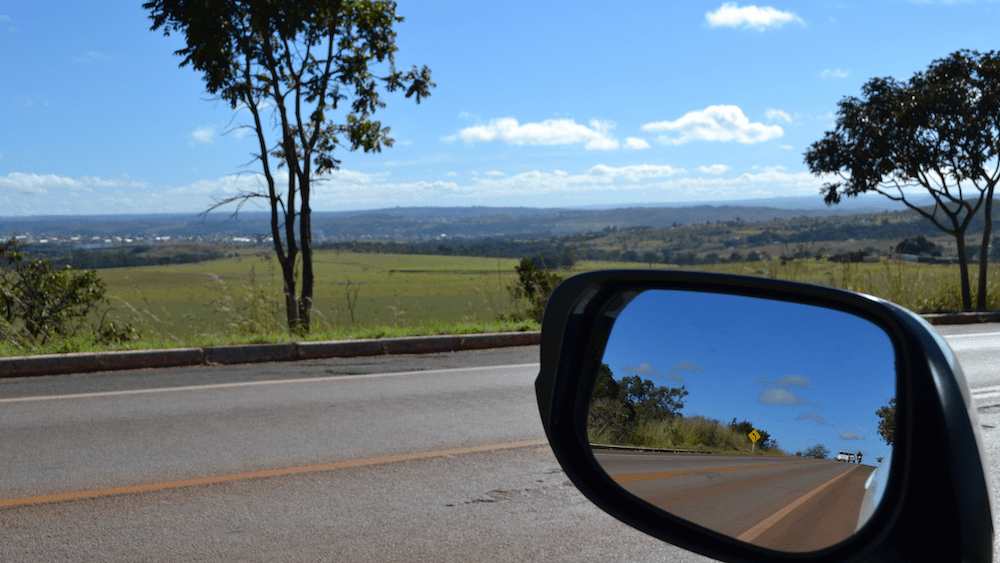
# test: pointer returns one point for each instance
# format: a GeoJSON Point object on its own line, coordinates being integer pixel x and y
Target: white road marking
{"type": "Point", "coordinates": [256, 383]}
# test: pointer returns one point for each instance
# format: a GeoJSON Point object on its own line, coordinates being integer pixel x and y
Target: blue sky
{"type": "Point", "coordinates": [804, 374]}
{"type": "Point", "coordinates": [537, 104]}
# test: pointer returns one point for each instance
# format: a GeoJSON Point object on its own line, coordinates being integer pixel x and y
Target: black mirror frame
{"type": "Point", "coordinates": [937, 504]}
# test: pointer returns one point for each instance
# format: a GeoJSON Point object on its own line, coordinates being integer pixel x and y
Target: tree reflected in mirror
{"type": "Point", "coordinates": [762, 420]}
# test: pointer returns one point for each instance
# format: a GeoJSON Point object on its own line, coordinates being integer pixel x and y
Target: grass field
{"type": "Point", "coordinates": [351, 290]}
{"type": "Point", "coordinates": [239, 299]}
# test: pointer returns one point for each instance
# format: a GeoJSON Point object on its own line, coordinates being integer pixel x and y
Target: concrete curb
{"type": "Point", "coordinates": [963, 318]}
{"type": "Point", "coordinates": [64, 364]}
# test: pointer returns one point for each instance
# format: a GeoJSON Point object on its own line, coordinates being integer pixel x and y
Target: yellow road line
{"type": "Point", "coordinates": [260, 474]}
{"type": "Point", "coordinates": [752, 533]}
{"type": "Point", "coordinates": [669, 474]}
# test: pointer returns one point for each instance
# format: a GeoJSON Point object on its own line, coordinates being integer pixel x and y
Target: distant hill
{"type": "Point", "coordinates": [406, 223]}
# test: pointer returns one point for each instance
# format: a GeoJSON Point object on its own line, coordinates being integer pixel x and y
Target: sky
{"type": "Point", "coordinates": [553, 104]}
{"type": "Point", "coordinates": [804, 374]}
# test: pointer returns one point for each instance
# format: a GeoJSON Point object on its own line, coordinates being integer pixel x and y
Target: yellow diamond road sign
{"type": "Point", "coordinates": [754, 436]}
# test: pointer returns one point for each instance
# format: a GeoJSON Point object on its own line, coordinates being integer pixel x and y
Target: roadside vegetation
{"type": "Point", "coordinates": [239, 298]}
{"type": "Point", "coordinates": [634, 412]}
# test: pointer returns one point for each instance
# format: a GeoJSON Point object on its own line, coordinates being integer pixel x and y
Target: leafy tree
{"type": "Point", "coordinates": [651, 401]}
{"type": "Point", "coordinates": [918, 245]}
{"type": "Point", "coordinates": [534, 285]}
{"type": "Point", "coordinates": [618, 406]}
{"type": "Point", "coordinates": [39, 303]}
{"type": "Point", "coordinates": [745, 427]}
{"type": "Point", "coordinates": [937, 134]}
{"type": "Point", "coordinates": [887, 426]}
{"type": "Point", "coordinates": [292, 65]}
{"type": "Point", "coordinates": [818, 451]}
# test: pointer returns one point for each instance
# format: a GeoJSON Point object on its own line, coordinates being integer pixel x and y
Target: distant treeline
{"type": "Point", "coordinates": [555, 252]}
{"type": "Point", "coordinates": [92, 259]}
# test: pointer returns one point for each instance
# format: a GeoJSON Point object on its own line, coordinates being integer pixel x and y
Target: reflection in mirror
{"type": "Point", "coordinates": [762, 420]}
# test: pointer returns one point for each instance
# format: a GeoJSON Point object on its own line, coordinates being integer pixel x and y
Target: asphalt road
{"type": "Point", "coordinates": [376, 459]}
{"type": "Point", "coordinates": [745, 497]}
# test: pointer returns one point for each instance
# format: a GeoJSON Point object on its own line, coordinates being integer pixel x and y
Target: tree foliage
{"type": "Point", "coordinates": [292, 65]}
{"type": "Point", "coordinates": [818, 451]}
{"type": "Point", "coordinates": [918, 245]}
{"type": "Point", "coordinates": [745, 427]}
{"type": "Point", "coordinates": [618, 406]}
{"type": "Point", "coordinates": [937, 134]}
{"type": "Point", "coordinates": [40, 303]}
{"type": "Point", "coordinates": [887, 426]}
{"type": "Point", "coordinates": [533, 286]}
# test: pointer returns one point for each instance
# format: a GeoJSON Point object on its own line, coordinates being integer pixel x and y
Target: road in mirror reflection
{"type": "Point", "coordinates": [732, 412]}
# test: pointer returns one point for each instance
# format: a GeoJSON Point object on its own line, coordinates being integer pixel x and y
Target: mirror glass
{"type": "Point", "coordinates": [759, 419]}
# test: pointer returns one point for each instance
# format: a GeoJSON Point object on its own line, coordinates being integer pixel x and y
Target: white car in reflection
{"type": "Point", "coordinates": [845, 456]}
{"type": "Point", "coordinates": [874, 489]}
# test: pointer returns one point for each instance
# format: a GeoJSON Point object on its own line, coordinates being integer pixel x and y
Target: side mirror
{"type": "Point", "coordinates": [759, 420]}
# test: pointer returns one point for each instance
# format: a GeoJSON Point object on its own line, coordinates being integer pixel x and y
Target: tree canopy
{"type": "Point", "coordinates": [937, 135]}
{"type": "Point", "coordinates": [292, 65]}
{"type": "Point", "coordinates": [818, 451]}
{"type": "Point", "coordinates": [887, 426]}
{"type": "Point", "coordinates": [620, 405]}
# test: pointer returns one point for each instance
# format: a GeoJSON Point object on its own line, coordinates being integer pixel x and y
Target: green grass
{"type": "Point", "coordinates": [239, 299]}
{"type": "Point", "coordinates": [684, 433]}
{"type": "Point", "coordinates": [923, 288]}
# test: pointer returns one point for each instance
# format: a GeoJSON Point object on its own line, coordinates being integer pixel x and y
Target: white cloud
{"type": "Point", "coordinates": [833, 74]}
{"type": "Point", "coordinates": [51, 194]}
{"type": "Point", "coordinates": [645, 369]}
{"type": "Point", "coordinates": [451, 174]}
{"type": "Point", "coordinates": [91, 57]}
{"type": "Point", "coordinates": [750, 17]}
{"type": "Point", "coordinates": [40, 194]}
{"type": "Point", "coordinates": [715, 123]}
{"type": "Point", "coordinates": [635, 172]}
{"type": "Point", "coordinates": [635, 143]}
{"type": "Point", "coordinates": [778, 115]}
{"type": "Point", "coordinates": [807, 416]}
{"type": "Point", "coordinates": [792, 381]}
{"type": "Point", "coordinates": [783, 397]}
{"type": "Point", "coordinates": [714, 169]}
{"type": "Point", "coordinates": [494, 173]}
{"type": "Point", "coordinates": [549, 132]}
{"type": "Point", "coordinates": [683, 366]}
{"type": "Point", "coordinates": [202, 135]}
{"type": "Point", "coordinates": [4, 18]}
{"type": "Point", "coordinates": [850, 435]}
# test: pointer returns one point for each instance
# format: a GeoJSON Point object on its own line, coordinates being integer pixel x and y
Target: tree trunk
{"type": "Point", "coordinates": [963, 268]}
{"type": "Point", "coordinates": [305, 240]}
{"type": "Point", "coordinates": [984, 251]}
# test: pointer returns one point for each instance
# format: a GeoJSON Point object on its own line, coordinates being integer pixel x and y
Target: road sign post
{"type": "Point", "coordinates": [754, 436]}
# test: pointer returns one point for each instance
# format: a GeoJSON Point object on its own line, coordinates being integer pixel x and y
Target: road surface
{"type": "Point", "coordinates": [378, 459]}
{"type": "Point", "coordinates": [752, 498]}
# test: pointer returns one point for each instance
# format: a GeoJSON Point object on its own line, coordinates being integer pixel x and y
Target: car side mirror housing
{"type": "Point", "coordinates": [751, 419]}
